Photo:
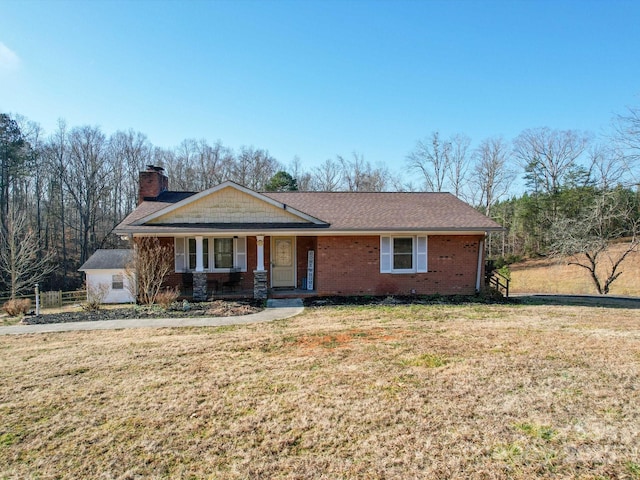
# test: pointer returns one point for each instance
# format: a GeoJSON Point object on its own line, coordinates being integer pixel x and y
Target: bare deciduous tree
{"type": "Point", "coordinates": [587, 239]}
{"type": "Point", "coordinates": [151, 263]}
{"type": "Point", "coordinates": [627, 137]}
{"type": "Point", "coordinates": [129, 152]}
{"type": "Point", "coordinates": [21, 261]}
{"type": "Point", "coordinates": [628, 129]}
{"type": "Point", "coordinates": [326, 177]}
{"type": "Point", "coordinates": [87, 177]}
{"type": "Point", "coordinates": [33, 184]}
{"type": "Point", "coordinates": [607, 167]}
{"type": "Point", "coordinates": [56, 155]}
{"type": "Point", "coordinates": [197, 166]}
{"type": "Point", "coordinates": [458, 164]}
{"type": "Point", "coordinates": [492, 173]}
{"type": "Point", "coordinates": [431, 157]}
{"type": "Point", "coordinates": [214, 164]}
{"type": "Point", "coordinates": [254, 167]}
{"type": "Point", "coordinates": [359, 176]}
{"type": "Point", "coordinates": [549, 156]}
{"type": "Point", "coordinates": [298, 172]}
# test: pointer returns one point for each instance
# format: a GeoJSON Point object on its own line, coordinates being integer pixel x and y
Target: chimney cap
{"type": "Point", "coordinates": [153, 168]}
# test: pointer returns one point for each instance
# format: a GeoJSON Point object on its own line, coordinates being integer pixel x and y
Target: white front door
{"type": "Point", "coordinates": [283, 262]}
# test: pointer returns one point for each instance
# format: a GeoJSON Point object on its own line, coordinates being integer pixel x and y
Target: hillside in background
{"type": "Point", "coordinates": [552, 275]}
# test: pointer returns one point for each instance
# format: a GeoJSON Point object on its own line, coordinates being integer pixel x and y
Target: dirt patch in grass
{"type": "Point", "coordinates": [400, 391]}
{"type": "Point", "coordinates": [343, 339]}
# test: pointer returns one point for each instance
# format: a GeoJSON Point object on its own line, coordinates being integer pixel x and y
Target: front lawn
{"type": "Point", "coordinates": [387, 391]}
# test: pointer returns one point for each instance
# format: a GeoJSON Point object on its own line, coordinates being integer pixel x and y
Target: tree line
{"type": "Point", "coordinates": [61, 194]}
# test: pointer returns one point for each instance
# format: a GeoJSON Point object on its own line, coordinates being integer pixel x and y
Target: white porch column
{"type": "Point", "coordinates": [260, 259]}
{"type": "Point", "coordinates": [199, 255]}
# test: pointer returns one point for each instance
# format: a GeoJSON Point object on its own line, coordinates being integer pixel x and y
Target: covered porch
{"type": "Point", "coordinates": [263, 266]}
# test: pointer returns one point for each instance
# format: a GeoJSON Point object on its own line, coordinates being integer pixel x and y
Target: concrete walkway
{"type": "Point", "coordinates": [276, 310]}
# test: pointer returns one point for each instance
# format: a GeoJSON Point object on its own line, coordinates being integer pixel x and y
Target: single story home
{"type": "Point", "coordinates": [232, 240]}
{"type": "Point", "coordinates": [105, 273]}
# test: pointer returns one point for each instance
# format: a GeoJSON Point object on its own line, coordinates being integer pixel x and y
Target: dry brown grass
{"type": "Point", "coordinates": [555, 276]}
{"type": "Point", "coordinates": [418, 391]}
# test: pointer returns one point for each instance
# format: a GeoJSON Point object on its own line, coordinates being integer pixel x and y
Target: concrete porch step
{"type": "Point", "coordinates": [284, 302]}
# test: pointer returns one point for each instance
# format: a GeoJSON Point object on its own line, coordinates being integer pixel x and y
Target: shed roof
{"type": "Point", "coordinates": [107, 259]}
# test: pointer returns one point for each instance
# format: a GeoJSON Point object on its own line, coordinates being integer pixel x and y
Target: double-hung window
{"type": "Point", "coordinates": [219, 254]}
{"type": "Point", "coordinates": [223, 253]}
{"type": "Point", "coordinates": [403, 254]}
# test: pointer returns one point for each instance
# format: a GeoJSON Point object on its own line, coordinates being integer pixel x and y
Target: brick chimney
{"type": "Point", "coordinates": [152, 182]}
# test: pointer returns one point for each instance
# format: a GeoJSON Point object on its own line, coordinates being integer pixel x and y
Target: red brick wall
{"type": "Point", "coordinates": [351, 266]}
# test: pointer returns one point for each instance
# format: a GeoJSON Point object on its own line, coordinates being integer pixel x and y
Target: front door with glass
{"type": "Point", "coordinates": [283, 261]}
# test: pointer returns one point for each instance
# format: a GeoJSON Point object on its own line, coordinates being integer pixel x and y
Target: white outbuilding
{"type": "Point", "coordinates": [105, 270]}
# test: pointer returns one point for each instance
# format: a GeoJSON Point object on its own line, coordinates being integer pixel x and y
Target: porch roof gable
{"type": "Point", "coordinates": [227, 203]}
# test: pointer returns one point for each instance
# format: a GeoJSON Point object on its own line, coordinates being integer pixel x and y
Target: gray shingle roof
{"type": "Point", "coordinates": [345, 211]}
{"type": "Point", "coordinates": [388, 210]}
{"type": "Point", "coordinates": [147, 207]}
{"type": "Point", "coordinates": [105, 259]}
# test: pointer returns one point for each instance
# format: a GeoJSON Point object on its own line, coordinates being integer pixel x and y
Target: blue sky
{"type": "Point", "coordinates": [320, 78]}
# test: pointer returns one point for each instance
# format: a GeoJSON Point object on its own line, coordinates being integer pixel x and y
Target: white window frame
{"type": "Point", "coordinates": [419, 254]}
{"type": "Point", "coordinates": [117, 281]}
{"type": "Point", "coordinates": [182, 254]}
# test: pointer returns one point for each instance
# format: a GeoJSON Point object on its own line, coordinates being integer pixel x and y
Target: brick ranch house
{"type": "Point", "coordinates": [232, 240]}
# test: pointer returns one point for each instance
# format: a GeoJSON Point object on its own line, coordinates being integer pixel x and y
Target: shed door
{"type": "Point", "coordinates": [283, 262]}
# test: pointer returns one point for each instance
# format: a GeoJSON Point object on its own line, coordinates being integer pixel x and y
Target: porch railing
{"type": "Point", "coordinates": [499, 282]}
